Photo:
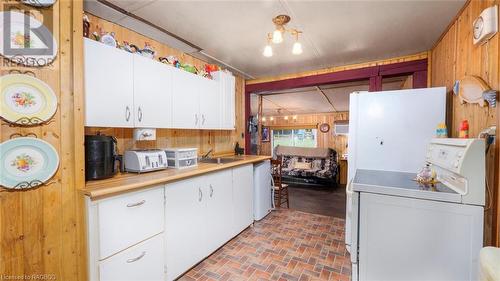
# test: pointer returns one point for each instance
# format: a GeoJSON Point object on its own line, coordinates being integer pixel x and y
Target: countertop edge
{"type": "Point", "coordinates": [116, 188]}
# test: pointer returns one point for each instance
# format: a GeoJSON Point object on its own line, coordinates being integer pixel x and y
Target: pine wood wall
{"type": "Point", "coordinates": [453, 57]}
{"type": "Point", "coordinates": [221, 142]}
{"type": "Point", "coordinates": [41, 230]}
{"type": "Point", "coordinates": [325, 140]}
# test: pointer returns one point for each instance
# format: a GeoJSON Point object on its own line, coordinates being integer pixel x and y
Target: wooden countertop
{"type": "Point", "coordinates": [127, 182]}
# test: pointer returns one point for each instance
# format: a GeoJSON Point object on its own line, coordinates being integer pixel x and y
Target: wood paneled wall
{"type": "Point", "coordinates": [41, 230]}
{"type": "Point", "coordinates": [453, 57]}
{"type": "Point", "coordinates": [325, 140]}
{"type": "Point", "coordinates": [221, 142]}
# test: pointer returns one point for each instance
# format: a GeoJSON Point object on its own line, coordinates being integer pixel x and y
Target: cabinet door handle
{"type": "Point", "coordinates": [130, 205]}
{"type": "Point", "coordinates": [200, 194]}
{"type": "Point", "coordinates": [196, 119]}
{"type": "Point", "coordinates": [211, 191]}
{"type": "Point", "coordinates": [203, 119]}
{"type": "Point", "coordinates": [137, 258]}
{"type": "Point", "coordinates": [139, 112]}
{"type": "Point", "coordinates": [127, 113]}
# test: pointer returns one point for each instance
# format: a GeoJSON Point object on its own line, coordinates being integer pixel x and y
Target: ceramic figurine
{"type": "Point", "coordinates": [189, 68]}
{"type": "Point", "coordinates": [148, 51]}
{"type": "Point", "coordinates": [86, 26]}
{"type": "Point", "coordinates": [126, 47]}
{"type": "Point", "coordinates": [108, 39]}
{"type": "Point", "coordinates": [211, 67]}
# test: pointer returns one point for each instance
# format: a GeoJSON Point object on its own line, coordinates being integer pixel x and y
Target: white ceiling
{"type": "Point", "coordinates": [311, 100]}
{"type": "Point", "coordinates": [335, 32]}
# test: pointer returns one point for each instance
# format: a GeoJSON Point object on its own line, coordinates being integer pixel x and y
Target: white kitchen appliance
{"type": "Point", "coordinates": [262, 203]}
{"type": "Point", "coordinates": [181, 158]}
{"type": "Point", "coordinates": [403, 230]}
{"type": "Point", "coordinates": [390, 131]}
{"type": "Point", "coordinates": [145, 160]}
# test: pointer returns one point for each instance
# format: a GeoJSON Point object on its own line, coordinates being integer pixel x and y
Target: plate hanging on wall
{"type": "Point", "coordinates": [26, 100]}
{"type": "Point", "coordinates": [39, 3]}
{"type": "Point", "coordinates": [27, 162]}
{"type": "Point", "coordinates": [41, 49]}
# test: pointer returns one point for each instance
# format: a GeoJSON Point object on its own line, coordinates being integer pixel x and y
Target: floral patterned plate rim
{"type": "Point", "coordinates": [27, 159]}
{"type": "Point", "coordinates": [41, 49]}
{"type": "Point", "coordinates": [24, 96]}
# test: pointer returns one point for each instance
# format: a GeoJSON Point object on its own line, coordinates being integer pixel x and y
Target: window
{"type": "Point", "coordinates": [294, 137]}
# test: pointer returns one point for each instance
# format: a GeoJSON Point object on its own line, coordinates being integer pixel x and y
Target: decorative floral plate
{"type": "Point", "coordinates": [26, 100]}
{"type": "Point", "coordinates": [38, 48]}
{"type": "Point", "coordinates": [39, 3]}
{"type": "Point", "coordinates": [27, 162]}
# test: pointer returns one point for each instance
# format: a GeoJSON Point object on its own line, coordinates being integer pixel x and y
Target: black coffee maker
{"type": "Point", "coordinates": [100, 157]}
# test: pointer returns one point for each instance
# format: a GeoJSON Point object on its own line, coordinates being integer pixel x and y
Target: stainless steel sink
{"type": "Point", "coordinates": [221, 160]}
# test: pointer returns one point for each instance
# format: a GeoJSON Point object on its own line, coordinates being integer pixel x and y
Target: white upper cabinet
{"type": "Point", "coordinates": [152, 93]}
{"type": "Point", "coordinates": [127, 90]}
{"type": "Point", "coordinates": [109, 88]}
{"type": "Point", "coordinates": [185, 102]}
{"type": "Point", "coordinates": [210, 104]}
{"type": "Point", "coordinates": [227, 90]}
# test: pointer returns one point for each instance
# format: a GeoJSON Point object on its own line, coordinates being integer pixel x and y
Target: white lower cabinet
{"type": "Point", "coordinates": [184, 219]}
{"type": "Point", "coordinates": [219, 210]}
{"type": "Point", "coordinates": [126, 236]}
{"type": "Point", "coordinates": [199, 216]}
{"type": "Point", "coordinates": [242, 198]}
{"type": "Point", "coordinates": [142, 262]}
{"type": "Point", "coordinates": [161, 232]}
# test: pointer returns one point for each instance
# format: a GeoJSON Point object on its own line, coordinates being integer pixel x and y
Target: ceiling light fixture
{"type": "Point", "coordinates": [268, 50]}
{"type": "Point", "coordinates": [276, 36]}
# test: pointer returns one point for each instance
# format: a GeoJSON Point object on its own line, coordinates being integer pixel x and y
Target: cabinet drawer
{"type": "Point", "coordinates": [129, 219]}
{"type": "Point", "coordinates": [142, 262]}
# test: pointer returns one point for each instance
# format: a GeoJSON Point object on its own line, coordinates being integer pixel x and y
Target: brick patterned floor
{"type": "Point", "coordinates": [287, 245]}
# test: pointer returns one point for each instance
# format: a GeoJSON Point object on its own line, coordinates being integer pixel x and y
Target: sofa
{"type": "Point", "coordinates": [308, 165]}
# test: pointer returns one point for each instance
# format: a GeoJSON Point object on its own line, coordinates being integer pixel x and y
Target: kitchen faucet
{"type": "Point", "coordinates": [206, 155]}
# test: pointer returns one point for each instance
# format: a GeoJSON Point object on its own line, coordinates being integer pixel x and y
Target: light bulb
{"type": "Point", "coordinates": [295, 117]}
{"type": "Point", "coordinates": [277, 36]}
{"type": "Point", "coordinates": [286, 117]}
{"type": "Point", "coordinates": [272, 118]}
{"type": "Point", "coordinates": [263, 119]}
{"type": "Point", "coordinates": [297, 48]}
{"type": "Point", "coordinates": [268, 51]}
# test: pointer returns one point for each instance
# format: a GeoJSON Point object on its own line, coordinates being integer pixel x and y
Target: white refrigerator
{"type": "Point", "coordinates": [390, 131]}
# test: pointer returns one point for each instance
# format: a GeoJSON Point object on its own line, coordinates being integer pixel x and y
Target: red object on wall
{"type": "Point", "coordinates": [464, 130]}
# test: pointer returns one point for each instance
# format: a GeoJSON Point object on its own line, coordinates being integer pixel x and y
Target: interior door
{"type": "Point", "coordinates": [242, 197]}
{"type": "Point", "coordinates": [152, 93]}
{"type": "Point", "coordinates": [109, 89]}
{"type": "Point", "coordinates": [220, 209]}
{"type": "Point", "coordinates": [185, 97]}
{"type": "Point", "coordinates": [210, 104]}
{"type": "Point", "coordinates": [185, 214]}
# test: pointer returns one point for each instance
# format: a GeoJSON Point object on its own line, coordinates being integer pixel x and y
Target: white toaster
{"type": "Point", "coordinates": [147, 160]}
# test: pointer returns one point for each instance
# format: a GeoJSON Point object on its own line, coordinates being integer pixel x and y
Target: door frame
{"type": "Point", "coordinates": [375, 74]}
